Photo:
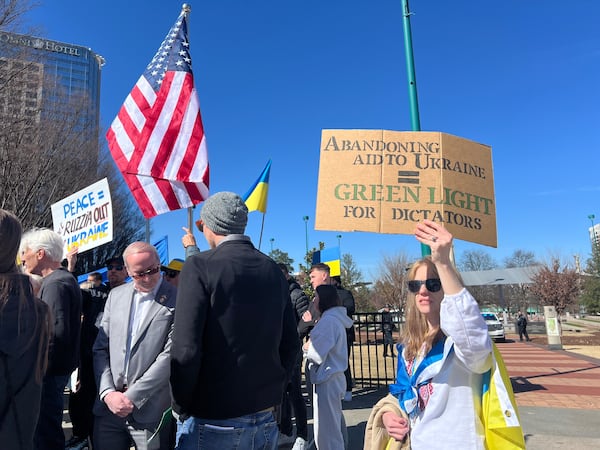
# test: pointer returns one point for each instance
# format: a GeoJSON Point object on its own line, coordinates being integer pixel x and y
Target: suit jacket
{"type": "Point", "coordinates": [149, 364]}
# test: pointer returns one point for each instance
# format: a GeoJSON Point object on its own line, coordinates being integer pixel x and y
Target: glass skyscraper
{"type": "Point", "coordinates": [42, 76]}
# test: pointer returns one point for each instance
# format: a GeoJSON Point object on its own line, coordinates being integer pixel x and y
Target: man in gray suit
{"type": "Point", "coordinates": [131, 356]}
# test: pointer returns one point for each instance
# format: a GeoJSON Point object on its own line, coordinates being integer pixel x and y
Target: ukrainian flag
{"type": "Point", "coordinates": [499, 409]}
{"type": "Point", "coordinates": [329, 256]}
{"type": "Point", "coordinates": [256, 197]}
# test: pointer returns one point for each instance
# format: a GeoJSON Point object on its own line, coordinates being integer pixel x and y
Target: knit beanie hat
{"type": "Point", "coordinates": [10, 237]}
{"type": "Point", "coordinates": [225, 213]}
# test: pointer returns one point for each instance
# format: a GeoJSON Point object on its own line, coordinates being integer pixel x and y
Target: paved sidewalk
{"type": "Point", "coordinates": [558, 394]}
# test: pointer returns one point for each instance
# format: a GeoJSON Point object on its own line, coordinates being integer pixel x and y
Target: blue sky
{"type": "Point", "coordinates": [520, 76]}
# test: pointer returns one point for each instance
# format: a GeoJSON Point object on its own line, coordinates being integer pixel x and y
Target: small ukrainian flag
{"type": "Point", "coordinates": [256, 197]}
{"type": "Point", "coordinates": [331, 257]}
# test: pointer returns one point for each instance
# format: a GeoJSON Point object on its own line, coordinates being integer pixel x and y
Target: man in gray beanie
{"type": "Point", "coordinates": [235, 341]}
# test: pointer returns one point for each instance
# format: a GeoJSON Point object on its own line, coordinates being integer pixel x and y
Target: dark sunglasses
{"type": "Point", "coordinates": [147, 273]}
{"type": "Point", "coordinates": [432, 285]}
{"type": "Point", "coordinates": [111, 267]}
{"type": "Point", "coordinates": [171, 273]}
{"type": "Point", "coordinates": [200, 225]}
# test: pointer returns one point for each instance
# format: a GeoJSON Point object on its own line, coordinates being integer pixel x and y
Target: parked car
{"type": "Point", "coordinates": [495, 326]}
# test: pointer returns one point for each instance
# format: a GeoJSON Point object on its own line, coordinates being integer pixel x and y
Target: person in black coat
{"type": "Point", "coordinates": [25, 325]}
{"type": "Point", "coordinates": [235, 341]}
{"type": "Point", "coordinates": [522, 326]}
{"type": "Point", "coordinates": [293, 395]}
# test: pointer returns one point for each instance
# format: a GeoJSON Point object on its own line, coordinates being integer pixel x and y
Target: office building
{"type": "Point", "coordinates": [40, 78]}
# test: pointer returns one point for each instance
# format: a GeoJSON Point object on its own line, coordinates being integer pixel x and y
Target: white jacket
{"type": "Point", "coordinates": [328, 348]}
{"type": "Point", "coordinates": [450, 419]}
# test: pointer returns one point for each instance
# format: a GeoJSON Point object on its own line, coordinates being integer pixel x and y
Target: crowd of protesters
{"type": "Point", "coordinates": [223, 368]}
{"type": "Point", "coordinates": [144, 373]}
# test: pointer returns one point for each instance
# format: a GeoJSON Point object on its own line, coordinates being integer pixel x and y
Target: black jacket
{"type": "Point", "coordinates": [299, 299]}
{"type": "Point", "coordinates": [23, 342]}
{"type": "Point", "coordinates": [234, 341]}
{"type": "Point", "coordinates": [61, 293]}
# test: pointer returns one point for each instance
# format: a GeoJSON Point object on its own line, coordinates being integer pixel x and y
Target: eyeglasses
{"type": "Point", "coordinates": [147, 273]}
{"type": "Point", "coordinates": [111, 267]}
{"type": "Point", "coordinates": [171, 273]}
{"type": "Point", "coordinates": [432, 285]}
{"type": "Point", "coordinates": [200, 225]}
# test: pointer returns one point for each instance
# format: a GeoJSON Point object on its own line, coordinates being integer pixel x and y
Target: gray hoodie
{"type": "Point", "coordinates": [328, 350]}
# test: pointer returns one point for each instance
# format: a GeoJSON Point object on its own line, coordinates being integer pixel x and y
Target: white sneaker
{"type": "Point", "coordinates": [348, 396]}
{"type": "Point", "coordinates": [300, 444]}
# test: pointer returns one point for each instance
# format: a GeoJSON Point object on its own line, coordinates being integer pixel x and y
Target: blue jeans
{"type": "Point", "coordinates": [256, 431]}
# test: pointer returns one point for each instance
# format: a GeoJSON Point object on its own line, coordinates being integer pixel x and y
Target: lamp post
{"type": "Point", "coordinates": [593, 234]}
{"type": "Point", "coordinates": [272, 240]}
{"type": "Point", "coordinates": [305, 218]}
{"type": "Point", "coordinates": [339, 238]}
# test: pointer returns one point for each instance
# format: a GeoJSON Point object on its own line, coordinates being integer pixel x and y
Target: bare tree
{"type": "Point", "coordinates": [13, 12]}
{"type": "Point", "coordinates": [520, 258]}
{"type": "Point", "coordinates": [49, 143]}
{"type": "Point", "coordinates": [45, 157]}
{"type": "Point", "coordinates": [556, 285]}
{"type": "Point", "coordinates": [474, 260]}
{"type": "Point", "coordinates": [390, 288]}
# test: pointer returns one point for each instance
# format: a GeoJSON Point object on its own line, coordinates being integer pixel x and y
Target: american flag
{"type": "Point", "coordinates": [157, 139]}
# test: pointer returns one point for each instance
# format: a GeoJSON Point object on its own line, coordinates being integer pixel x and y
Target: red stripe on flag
{"type": "Point", "coordinates": [176, 111]}
{"type": "Point", "coordinates": [191, 153]}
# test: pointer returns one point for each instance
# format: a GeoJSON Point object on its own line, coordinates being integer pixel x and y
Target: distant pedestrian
{"type": "Point", "coordinates": [387, 326]}
{"type": "Point", "coordinates": [522, 326]}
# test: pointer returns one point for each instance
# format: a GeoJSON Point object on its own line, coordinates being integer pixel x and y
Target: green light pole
{"type": "Point", "coordinates": [594, 237]}
{"type": "Point", "coordinates": [272, 240]}
{"type": "Point", "coordinates": [412, 85]}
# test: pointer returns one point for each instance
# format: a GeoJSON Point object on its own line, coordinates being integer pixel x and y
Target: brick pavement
{"type": "Point", "coordinates": [551, 378]}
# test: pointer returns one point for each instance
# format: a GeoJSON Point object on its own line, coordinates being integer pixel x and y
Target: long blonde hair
{"type": "Point", "coordinates": [416, 330]}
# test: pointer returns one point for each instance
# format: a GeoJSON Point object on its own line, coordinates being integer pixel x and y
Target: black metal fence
{"type": "Point", "coordinates": [368, 365]}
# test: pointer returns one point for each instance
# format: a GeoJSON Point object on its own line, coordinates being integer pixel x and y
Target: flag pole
{"type": "Point", "coordinates": [186, 9]}
{"type": "Point", "coordinates": [412, 85]}
{"type": "Point", "coordinates": [262, 226]}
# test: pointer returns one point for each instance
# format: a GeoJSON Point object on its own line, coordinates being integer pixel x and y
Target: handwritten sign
{"type": "Point", "coordinates": [386, 181]}
{"type": "Point", "coordinates": [84, 219]}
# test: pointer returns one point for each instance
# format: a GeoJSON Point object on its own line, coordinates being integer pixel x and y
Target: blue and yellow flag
{"type": "Point", "coordinates": [256, 197]}
{"type": "Point", "coordinates": [329, 256]}
{"type": "Point", "coordinates": [499, 409]}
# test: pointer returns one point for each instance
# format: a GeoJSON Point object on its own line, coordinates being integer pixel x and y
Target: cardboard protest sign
{"type": "Point", "coordinates": [84, 219]}
{"type": "Point", "coordinates": [386, 181]}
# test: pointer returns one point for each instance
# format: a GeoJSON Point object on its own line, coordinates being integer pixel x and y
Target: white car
{"type": "Point", "coordinates": [495, 326]}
